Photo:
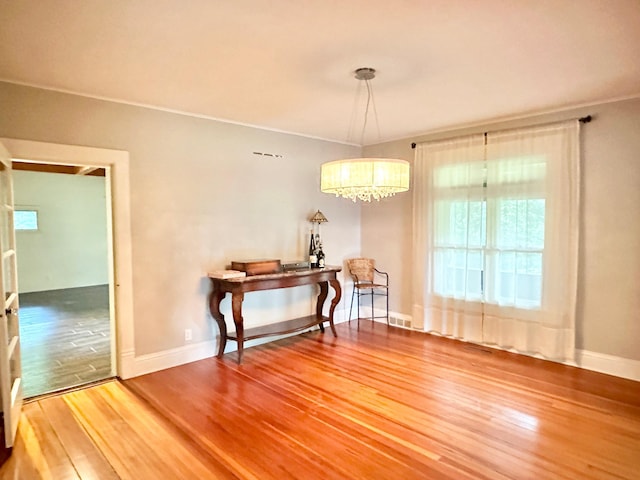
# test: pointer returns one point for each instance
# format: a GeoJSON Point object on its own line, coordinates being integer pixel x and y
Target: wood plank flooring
{"type": "Point", "coordinates": [374, 403]}
{"type": "Point", "coordinates": [384, 403]}
{"type": "Point", "coordinates": [103, 432]}
{"type": "Point", "coordinates": [65, 338]}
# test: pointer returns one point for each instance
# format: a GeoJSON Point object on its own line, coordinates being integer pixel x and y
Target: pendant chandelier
{"type": "Point", "coordinates": [365, 178]}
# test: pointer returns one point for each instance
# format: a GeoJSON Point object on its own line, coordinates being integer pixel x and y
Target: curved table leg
{"type": "Point", "coordinates": [322, 296]}
{"type": "Point", "coordinates": [236, 303]}
{"type": "Point", "coordinates": [335, 284]}
{"type": "Point", "coordinates": [215, 298]}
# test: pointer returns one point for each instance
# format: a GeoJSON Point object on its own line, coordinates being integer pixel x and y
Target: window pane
{"type": "Point", "coordinates": [449, 266]}
{"type": "Point", "coordinates": [460, 223]}
{"type": "Point", "coordinates": [442, 224]}
{"type": "Point", "coordinates": [505, 278]}
{"type": "Point", "coordinates": [528, 279]}
{"type": "Point", "coordinates": [477, 223]}
{"type": "Point", "coordinates": [475, 272]}
{"type": "Point", "coordinates": [520, 223]}
{"type": "Point", "coordinates": [535, 223]}
{"type": "Point", "coordinates": [458, 273]}
{"type": "Point", "coordinates": [25, 219]}
{"type": "Point", "coordinates": [448, 269]}
{"type": "Point", "coordinates": [507, 223]}
{"type": "Point", "coordinates": [518, 279]}
{"type": "Point", "coordinates": [459, 217]}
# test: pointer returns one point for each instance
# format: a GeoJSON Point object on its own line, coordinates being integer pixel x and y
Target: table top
{"type": "Point", "coordinates": [281, 275]}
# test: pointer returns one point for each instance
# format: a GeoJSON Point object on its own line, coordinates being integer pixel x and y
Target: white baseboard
{"type": "Point", "coordinates": [609, 364]}
{"type": "Point", "coordinates": [132, 366]}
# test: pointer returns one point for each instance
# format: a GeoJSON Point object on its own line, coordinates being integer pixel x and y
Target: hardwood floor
{"type": "Point", "coordinates": [65, 338]}
{"type": "Point", "coordinates": [374, 403]}
{"type": "Point", "coordinates": [102, 433]}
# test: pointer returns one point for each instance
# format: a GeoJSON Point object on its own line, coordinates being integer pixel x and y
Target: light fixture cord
{"type": "Point", "coordinates": [375, 116]}
{"type": "Point", "coordinates": [366, 111]}
{"type": "Point", "coordinates": [351, 135]}
{"type": "Point", "coordinates": [370, 101]}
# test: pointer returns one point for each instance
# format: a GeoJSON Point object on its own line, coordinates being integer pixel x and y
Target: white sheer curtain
{"type": "Point", "coordinates": [447, 188]}
{"type": "Point", "coordinates": [496, 238]}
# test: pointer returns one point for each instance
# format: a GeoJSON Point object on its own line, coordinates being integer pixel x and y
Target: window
{"type": "Point", "coordinates": [489, 232]}
{"type": "Point", "coordinates": [495, 238]}
{"type": "Point", "coordinates": [459, 248]}
{"type": "Point", "coordinates": [25, 220]}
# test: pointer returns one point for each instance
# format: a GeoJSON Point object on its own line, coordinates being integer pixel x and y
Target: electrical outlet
{"type": "Point", "coordinates": [187, 335]}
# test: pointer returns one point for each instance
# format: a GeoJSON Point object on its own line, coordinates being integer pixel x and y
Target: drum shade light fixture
{"type": "Point", "coordinates": [365, 178]}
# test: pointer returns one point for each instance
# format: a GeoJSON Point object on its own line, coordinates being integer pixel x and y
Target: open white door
{"type": "Point", "coordinates": [10, 367]}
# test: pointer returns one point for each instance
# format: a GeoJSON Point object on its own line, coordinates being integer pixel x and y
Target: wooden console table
{"type": "Point", "coordinates": [239, 286]}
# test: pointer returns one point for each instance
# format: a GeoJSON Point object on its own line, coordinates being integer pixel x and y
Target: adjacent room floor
{"type": "Point", "coordinates": [65, 338]}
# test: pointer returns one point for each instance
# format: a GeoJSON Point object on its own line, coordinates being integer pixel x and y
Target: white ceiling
{"type": "Point", "coordinates": [287, 64]}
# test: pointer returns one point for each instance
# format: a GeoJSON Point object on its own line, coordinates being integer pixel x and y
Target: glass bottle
{"type": "Point", "coordinates": [313, 259]}
{"type": "Point", "coordinates": [320, 256]}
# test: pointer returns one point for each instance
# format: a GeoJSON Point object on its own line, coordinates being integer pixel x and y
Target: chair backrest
{"type": "Point", "coordinates": [362, 268]}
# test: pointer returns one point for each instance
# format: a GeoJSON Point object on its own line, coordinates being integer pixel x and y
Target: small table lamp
{"type": "Point", "coordinates": [318, 218]}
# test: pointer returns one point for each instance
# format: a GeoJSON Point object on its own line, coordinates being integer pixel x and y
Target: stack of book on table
{"type": "Point", "coordinates": [223, 274]}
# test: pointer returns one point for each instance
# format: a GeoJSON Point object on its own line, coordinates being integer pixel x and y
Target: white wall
{"type": "Point", "coordinates": [69, 249]}
{"type": "Point", "coordinates": [200, 198]}
{"type": "Point", "coordinates": [609, 270]}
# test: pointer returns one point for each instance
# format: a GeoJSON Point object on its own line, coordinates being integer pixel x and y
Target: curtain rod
{"type": "Point", "coordinates": [585, 119]}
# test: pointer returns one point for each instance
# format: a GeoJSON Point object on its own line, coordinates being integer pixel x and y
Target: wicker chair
{"type": "Point", "coordinates": [364, 274]}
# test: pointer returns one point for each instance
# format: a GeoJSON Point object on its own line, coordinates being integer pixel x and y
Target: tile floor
{"type": "Point", "coordinates": [64, 336]}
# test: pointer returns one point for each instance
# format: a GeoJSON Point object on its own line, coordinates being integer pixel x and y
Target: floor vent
{"type": "Point", "coordinates": [399, 322]}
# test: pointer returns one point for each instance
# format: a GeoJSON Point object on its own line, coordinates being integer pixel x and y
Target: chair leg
{"type": "Point", "coordinates": [387, 306]}
{"type": "Point", "coordinates": [372, 311]}
{"type": "Point", "coordinates": [351, 307]}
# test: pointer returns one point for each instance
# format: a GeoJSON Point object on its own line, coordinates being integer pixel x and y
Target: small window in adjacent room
{"type": "Point", "coordinates": [26, 220]}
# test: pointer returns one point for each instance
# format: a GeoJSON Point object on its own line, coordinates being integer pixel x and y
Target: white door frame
{"type": "Point", "coordinates": [10, 361]}
{"type": "Point", "coordinates": [116, 163]}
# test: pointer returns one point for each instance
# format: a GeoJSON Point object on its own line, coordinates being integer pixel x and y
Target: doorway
{"type": "Point", "coordinates": [63, 276]}
{"type": "Point", "coordinates": [116, 165]}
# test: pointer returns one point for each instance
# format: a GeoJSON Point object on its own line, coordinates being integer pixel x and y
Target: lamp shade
{"type": "Point", "coordinates": [365, 178]}
{"type": "Point", "coordinates": [318, 218]}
